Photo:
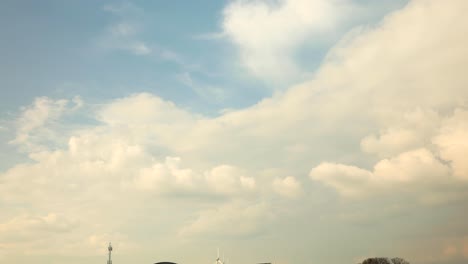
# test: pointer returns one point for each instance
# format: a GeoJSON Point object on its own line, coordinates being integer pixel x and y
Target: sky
{"type": "Point", "coordinates": [284, 131]}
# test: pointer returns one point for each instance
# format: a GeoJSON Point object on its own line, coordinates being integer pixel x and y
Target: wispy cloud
{"type": "Point", "coordinates": [123, 29]}
{"type": "Point", "coordinates": [124, 9]}
{"type": "Point", "coordinates": [126, 32]}
{"type": "Point", "coordinates": [210, 36]}
{"type": "Point", "coordinates": [207, 92]}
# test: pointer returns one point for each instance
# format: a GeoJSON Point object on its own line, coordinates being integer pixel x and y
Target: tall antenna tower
{"type": "Point", "coordinates": [110, 253]}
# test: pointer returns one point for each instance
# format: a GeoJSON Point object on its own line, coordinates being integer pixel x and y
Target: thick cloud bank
{"type": "Point", "coordinates": [385, 115]}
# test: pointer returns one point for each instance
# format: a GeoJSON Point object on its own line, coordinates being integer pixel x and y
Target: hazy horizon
{"type": "Point", "coordinates": [285, 131]}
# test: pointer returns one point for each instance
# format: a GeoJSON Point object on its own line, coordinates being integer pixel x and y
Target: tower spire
{"type": "Point", "coordinates": [110, 253]}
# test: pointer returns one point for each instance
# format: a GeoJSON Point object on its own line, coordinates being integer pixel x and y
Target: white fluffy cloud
{"type": "Point", "coordinates": [233, 219]}
{"type": "Point", "coordinates": [406, 100]}
{"type": "Point", "coordinates": [34, 232]}
{"type": "Point", "coordinates": [33, 124]}
{"type": "Point", "coordinates": [269, 32]}
{"type": "Point", "coordinates": [115, 165]}
{"type": "Point", "coordinates": [165, 176]}
{"type": "Point", "coordinates": [168, 177]}
{"type": "Point", "coordinates": [410, 130]}
{"type": "Point", "coordinates": [24, 224]}
{"type": "Point", "coordinates": [408, 168]}
{"type": "Point", "coordinates": [447, 137]}
{"type": "Point", "coordinates": [147, 109]}
{"type": "Point", "coordinates": [348, 180]}
{"type": "Point", "coordinates": [416, 165]}
{"type": "Point", "coordinates": [228, 179]}
{"type": "Point", "coordinates": [452, 142]}
{"type": "Point", "coordinates": [396, 93]}
{"type": "Point", "coordinates": [288, 187]}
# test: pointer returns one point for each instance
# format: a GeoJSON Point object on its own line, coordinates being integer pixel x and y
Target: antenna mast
{"type": "Point", "coordinates": [110, 253]}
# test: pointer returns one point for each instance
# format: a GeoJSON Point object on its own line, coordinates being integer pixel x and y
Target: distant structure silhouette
{"type": "Point", "coordinates": [382, 260]}
{"type": "Point", "coordinates": [110, 253]}
{"type": "Point", "coordinates": [218, 260]}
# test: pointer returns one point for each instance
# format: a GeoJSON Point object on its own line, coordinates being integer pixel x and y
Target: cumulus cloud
{"type": "Point", "coordinates": [382, 109]}
{"type": "Point", "coordinates": [237, 219]}
{"type": "Point", "coordinates": [162, 175]}
{"type": "Point", "coordinates": [228, 179]}
{"type": "Point", "coordinates": [24, 224]}
{"type": "Point", "coordinates": [31, 233]}
{"type": "Point", "coordinates": [401, 103]}
{"type": "Point", "coordinates": [444, 162]}
{"type": "Point", "coordinates": [271, 36]}
{"type": "Point", "coordinates": [103, 157]}
{"type": "Point", "coordinates": [35, 116]}
{"type": "Point", "coordinates": [414, 170]}
{"type": "Point", "coordinates": [410, 167]}
{"type": "Point", "coordinates": [406, 108]}
{"type": "Point", "coordinates": [348, 180]}
{"type": "Point", "coordinates": [167, 177]}
{"type": "Point", "coordinates": [410, 130]}
{"type": "Point", "coordinates": [268, 32]}
{"type": "Point", "coordinates": [288, 187]}
{"type": "Point", "coordinates": [415, 165]}
{"type": "Point", "coordinates": [103, 167]}
{"type": "Point", "coordinates": [32, 125]}
{"type": "Point", "coordinates": [452, 141]}
{"type": "Point", "coordinates": [147, 109]}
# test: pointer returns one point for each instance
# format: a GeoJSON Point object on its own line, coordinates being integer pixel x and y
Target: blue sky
{"type": "Point", "coordinates": [69, 48]}
{"type": "Point", "coordinates": [286, 131]}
